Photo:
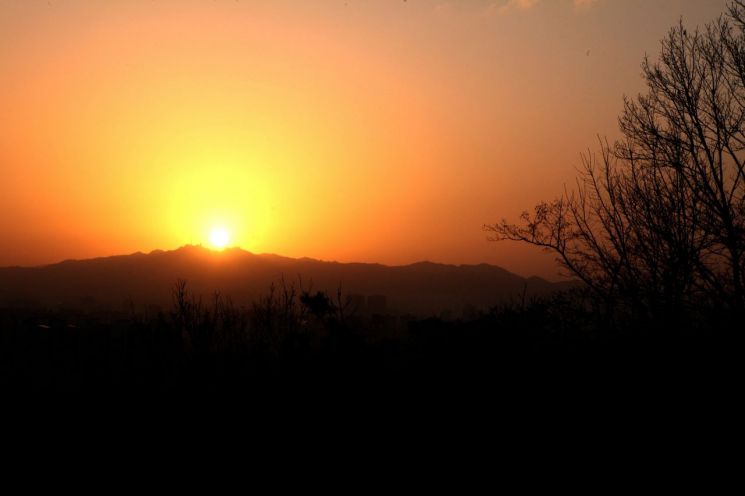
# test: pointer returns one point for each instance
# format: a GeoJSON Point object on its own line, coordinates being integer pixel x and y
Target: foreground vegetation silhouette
{"type": "Point", "coordinates": [295, 337]}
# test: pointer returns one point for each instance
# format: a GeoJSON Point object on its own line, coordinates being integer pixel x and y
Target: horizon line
{"type": "Point", "coordinates": [265, 254]}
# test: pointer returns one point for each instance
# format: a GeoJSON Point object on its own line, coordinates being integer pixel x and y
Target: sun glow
{"type": "Point", "coordinates": [219, 238]}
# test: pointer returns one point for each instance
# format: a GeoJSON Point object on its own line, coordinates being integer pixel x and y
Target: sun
{"type": "Point", "coordinates": [219, 238]}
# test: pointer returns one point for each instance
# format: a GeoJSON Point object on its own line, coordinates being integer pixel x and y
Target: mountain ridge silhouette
{"type": "Point", "coordinates": [422, 288]}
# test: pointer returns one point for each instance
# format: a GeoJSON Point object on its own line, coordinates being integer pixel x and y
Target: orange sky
{"type": "Point", "coordinates": [382, 131]}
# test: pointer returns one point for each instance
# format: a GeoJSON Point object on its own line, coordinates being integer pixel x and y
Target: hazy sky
{"type": "Point", "coordinates": [351, 130]}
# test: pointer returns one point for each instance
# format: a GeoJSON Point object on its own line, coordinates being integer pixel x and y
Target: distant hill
{"type": "Point", "coordinates": [422, 288]}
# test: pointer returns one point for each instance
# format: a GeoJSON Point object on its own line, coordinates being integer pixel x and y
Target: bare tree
{"type": "Point", "coordinates": [656, 221]}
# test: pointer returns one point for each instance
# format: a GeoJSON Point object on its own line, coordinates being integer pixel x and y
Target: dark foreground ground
{"type": "Point", "coordinates": [540, 347]}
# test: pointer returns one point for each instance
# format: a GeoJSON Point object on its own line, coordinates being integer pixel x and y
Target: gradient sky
{"type": "Point", "coordinates": [381, 131]}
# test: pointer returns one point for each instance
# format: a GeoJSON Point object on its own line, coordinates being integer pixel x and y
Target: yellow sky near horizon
{"type": "Point", "coordinates": [355, 131]}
